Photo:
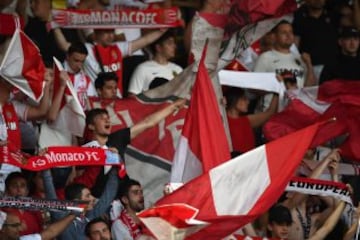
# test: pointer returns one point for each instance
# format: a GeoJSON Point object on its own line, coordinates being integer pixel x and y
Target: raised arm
{"type": "Point", "coordinates": [60, 39]}
{"type": "Point", "coordinates": [56, 103]}
{"type": "Point", "coordinates": [155, 118]}
{"type": "Point", "coordinates": [258, 119]}
{"type": "Point", "coordinates": [56, 228]}
{"type": "Point", "coordinates": [146, 39]}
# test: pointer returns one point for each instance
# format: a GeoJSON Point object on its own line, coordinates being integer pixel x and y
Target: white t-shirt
{"type": "Point", "coordinates": [31, 237]}
{"type": "Point", "coordinates": [146, 72]}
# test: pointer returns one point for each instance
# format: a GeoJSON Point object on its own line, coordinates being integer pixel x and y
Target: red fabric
{"type": "Point", "coordinates": [242, 135]}
{"type": "Point", "coordinates": [88, 178]}
{"type": "Point", "coordinates": [283, 156]}
{"type": "Point", "coordinates": [340, 90]}
{"type": "Point", "coordinates": [203, 126]}
{"type": "Point", "coordinates": [8, 25]}
{"type": "Point", "coordinates": [32, 220]}
{"type": "Point", "coordinates": [33, 69]}
{"type": "Point", "coordinates": [112, 61]}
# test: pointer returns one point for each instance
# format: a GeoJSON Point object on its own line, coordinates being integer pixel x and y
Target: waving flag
{"type": "Point", "coordinates": [23, 67]}
{"type": "Point", "coordinates": [234, 193]}
{"type": "Point", "coordinates": [203, 143]}
{"type": "Point", "coordinates": [337, 98]}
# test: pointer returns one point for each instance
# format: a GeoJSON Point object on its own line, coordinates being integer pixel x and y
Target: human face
{"type": "Point", "coordinates": [105, 37]}
{"type": "Point", "coordinates": [108, 91]}
{"type": "Point", "coordinates": [135, 199]}
{"type": "Point", "coordinates": [350, 46]}
{"type": "Point", "coordinates": [167, 48]}
{"type": "Point", "coordinates": [76, 61]}
{"type": "Point", "coordinates": [11, 228]}
{"type": "Point", "coordinates": [279, 230]}
{"type": "Point", "coordinates": [17, 188]}
{"type": "Point", "coordinates": [99, 231]}
{"type": "Point", "coordinates": [242, 104]}
{"type": "Point", "coordinates": [101, 125]}
{"type": "Point", "coordinates": [284, 36]}
{"type": "Point", "coordinates": [41, 8]}
{"type": "Point", "coordinates": [87, 196]}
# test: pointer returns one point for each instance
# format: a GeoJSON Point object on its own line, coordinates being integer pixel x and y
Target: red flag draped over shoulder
{"type": "Point", "coordinates": [23, 67]}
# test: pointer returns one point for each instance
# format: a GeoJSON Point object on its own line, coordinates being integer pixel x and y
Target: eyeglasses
{"type": "Point", "coordinates": [13, 225]}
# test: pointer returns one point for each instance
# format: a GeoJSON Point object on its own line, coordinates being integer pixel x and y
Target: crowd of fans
{"type": "Point", "coordinates": [320, 44]}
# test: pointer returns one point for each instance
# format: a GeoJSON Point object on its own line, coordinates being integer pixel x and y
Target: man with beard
{"type": "Point", "coordinates": [98, 229]}
{"type": "Point", "coordinates": [125, 223]}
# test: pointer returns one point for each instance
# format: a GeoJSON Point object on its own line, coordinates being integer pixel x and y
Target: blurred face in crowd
{"type": "Point", "coordinates": [315, 4]}
{"type": "Point", "coordinates": [104, 37]}
{"type": "Point", "coordinates": [279, 230]}
{"type": "Point", "coordinates": [76, 61]}
{"type": "Point", "coordinates": [87, 196]}
{"type": "Point", "coordinates": [242, 104]}
{"type": "Point", "coordinates": [17, 188]}
{"type": "Point", "coordinates": [41, 8]}
{"type": "Point", "coordinates": [101, 126]}
{"type": "Point", "coordinates": [284, 36]}
{"type": "Point", "coordinates": [349, 46]}
{"type": "Point", "coordinates": [108, 91]}
{"type": "Point", "coordinates": [11, 228]}
{"type": "Point", "coordinates": [104, 2]}
{"type": "Point", "coordinates": [99, 231]}
{"type": "Point", "coordinates": [167, 48]}
{"type": "Point", "coordinates": [135, 199]}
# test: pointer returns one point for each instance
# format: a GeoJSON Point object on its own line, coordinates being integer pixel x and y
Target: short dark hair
{"type": "Point", "coordinates": [168, 34]}
{"type": "Point", "coordinates": [282, 22]}
{"type": "Point", "coordinates": [15, 175]}
{"type": "Point", "coordinates": [125, 187]}
{"type": "Point", "coordinates": [91, 114]}
{"type": "Point", "coordinates": [73, 191]}
{"type": "Point", "coordinates": [104, 77]}
{"type": "Point", "coordinates": [280, 214]}
{"type": "Point", "coordinates": [232, 95]}
{"type": "Point", "coordinates": [77, 47]}
{"type": "Point", "coordinates": [94, 221]}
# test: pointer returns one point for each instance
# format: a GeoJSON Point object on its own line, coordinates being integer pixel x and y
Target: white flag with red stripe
{"type": "Point", "coordinates": [236, 192]}
{"type": "Point", "coordinates": [23, 67]}
{"type": "Point", "coordinates": [71, 110]}
{"type": "Point", "coordinates": [203, 143]}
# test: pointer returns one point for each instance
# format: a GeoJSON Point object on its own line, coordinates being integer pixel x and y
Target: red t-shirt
{"type": "Point", "coordinates": [242, 135]}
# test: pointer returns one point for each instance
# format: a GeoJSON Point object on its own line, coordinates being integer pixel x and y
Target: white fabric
{"type": "Point", "coordinates": [31, 237]}
{"type": "Point", "coordinates": [52, 137]}
{"type": "Point", "coordinates": [92, 67]}
{"type": "Point", "coordinates": [145, 73]}
{"type": "Point", "coordinates": [119, 230]}
{"type": "Point", "coordinates": [2, 218]}
{"type": "Point", "coordinates": [226, 178]}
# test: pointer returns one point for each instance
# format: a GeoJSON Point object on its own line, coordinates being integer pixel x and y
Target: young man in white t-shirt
{"type": "Point", "coordinates": [160, 66]}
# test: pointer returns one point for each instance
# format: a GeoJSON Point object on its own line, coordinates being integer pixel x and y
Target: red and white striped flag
{"type": "Point", "coordinates": [23, 67]}
{"type": "Point", "coordinates": [232, 194]}
{"type": "Point", "coordinates": [203, 143]}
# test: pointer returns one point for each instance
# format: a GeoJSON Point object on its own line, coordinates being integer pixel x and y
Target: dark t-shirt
{"type": "Point", "coordinates": [318, 36]}
{"type": "Point", "coordinates": [345, 67]}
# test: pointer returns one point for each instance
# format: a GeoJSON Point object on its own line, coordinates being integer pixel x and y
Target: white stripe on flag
{"type": "Point", "coordinates": [248, 179]}
{"type": "Point", "coordinates": [186, 165]}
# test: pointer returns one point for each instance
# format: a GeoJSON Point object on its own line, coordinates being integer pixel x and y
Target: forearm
{"type": "Point", "coordinates": [56, 104]}
{"type": "Point", "coordinates": [146, 40]}
{"type": "Point", "coordinates": [310, 79]}
{"type": "Point", "coordinates": [56, 228]}
{"type": "Point", "coordinates": [60, 39]}
{"type": "Point", "coordinates": [40, 111]}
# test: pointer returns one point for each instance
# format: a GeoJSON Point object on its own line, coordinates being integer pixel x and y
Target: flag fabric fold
{"type": "Point", "coordinates": [203, 142]}
{"type": "Point", "coordinates": [23, 67]}
{"type": "Point", "coordinates": [338, 99]}
{"type": "Point", "coordinates": [238, 191]}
